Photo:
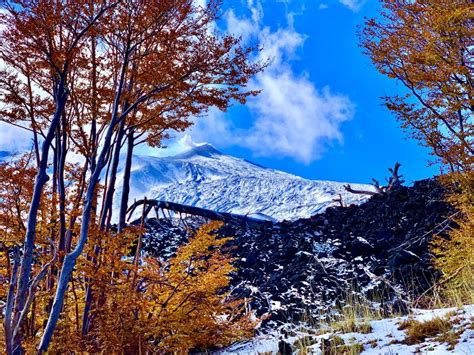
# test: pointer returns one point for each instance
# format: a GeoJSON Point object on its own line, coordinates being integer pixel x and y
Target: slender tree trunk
{"type": "Point", "coordinates": [40, 182]}
{"type": "Point", "coordinates": [70, 259]}
{"type": "Point", "coordinates": [61, 188]}
{"type": "Point", "coordinates": [32, 119]}
{"type": "Point", "coordinates": [95, 113]}
{"type": "Point", "coordinates": [8, 324]}
{"type": "Point", "coordinates": [53, 223]}
{"type": "Point", "coordinates": [126, 179]}
{"type": "Point", "coordinates": [109, 195]}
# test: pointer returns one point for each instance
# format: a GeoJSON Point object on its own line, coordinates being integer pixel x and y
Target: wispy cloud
{"type": "Point", "coordinates": [295, 119]}
{"type": "Point", "coordinates": [14, 139]}
{"type": "Point", "coordinates": [354, 5]}
{"type": "Point", "coordinates": [291, 117]}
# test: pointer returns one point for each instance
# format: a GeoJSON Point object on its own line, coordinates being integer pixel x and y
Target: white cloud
{"type": "Point", "coordinates": [293, 118]}
{"type": "Point", "coordinates": [13, 138]}
{"type": "Point", "coordinates": [280, 46]}
{"type": "Point", "coordinates": [215, 128]}
{"type": "Point", "coordinates": [354, 5]}
{"type": "Point", "coordinates": [242, 27]}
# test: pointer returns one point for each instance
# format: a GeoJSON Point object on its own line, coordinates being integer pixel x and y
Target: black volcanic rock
{"type": "Point", "coordinates": [305, 267]}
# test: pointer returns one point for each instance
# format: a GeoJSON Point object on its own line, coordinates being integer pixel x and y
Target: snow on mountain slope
{"type": "Point", "coordinates": [207, 178]}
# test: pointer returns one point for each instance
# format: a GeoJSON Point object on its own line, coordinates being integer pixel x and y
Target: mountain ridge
{"type": "Point", "coordinates": [207, 178]}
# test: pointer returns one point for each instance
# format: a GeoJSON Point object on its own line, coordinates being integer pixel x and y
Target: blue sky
{"type": "Point", "coordinates": [319, 115]}
{"type": "Point", "coordinates": [321, 91]}
{"type": "Point", "coordinates": [367, 140]}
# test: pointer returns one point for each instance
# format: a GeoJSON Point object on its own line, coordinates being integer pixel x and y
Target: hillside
{"type": "Point", "coordinates": [304, 268]}
{"type": "Point", "coordinates": [207, 178]}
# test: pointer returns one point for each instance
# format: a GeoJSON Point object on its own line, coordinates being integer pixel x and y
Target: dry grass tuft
{"type": "Point", "coordinates": [352, 326]}
{"type": "Point", "coordinates": [372, 343]}
{"type": "Point", "coordinates": [441, 329]}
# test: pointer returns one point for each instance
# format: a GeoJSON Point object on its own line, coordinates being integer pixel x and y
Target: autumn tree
{"type": "Point", "coordinates": [83, 76]}
{"type": "Point", "coordinates": [427, 46]}
{"type": "Point", "coordinates": [49, 33]}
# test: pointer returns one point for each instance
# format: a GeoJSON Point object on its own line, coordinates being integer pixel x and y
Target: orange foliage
{"type": "Point", "coordinates": [427, 46]}
{"type": "Point", "coordinates": [166, 307]}
{"type": "Point", "coordinates": [16, 186]}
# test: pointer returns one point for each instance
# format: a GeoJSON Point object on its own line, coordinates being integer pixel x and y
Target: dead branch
{"type": "Point", "coordinates": [361, 192]}
{"type": "Point", "coordinates": [394, 181]}
{"type": "Point", "coordinates": [191, 210]}
{"type": "Point", "coordinates": [339, 200]}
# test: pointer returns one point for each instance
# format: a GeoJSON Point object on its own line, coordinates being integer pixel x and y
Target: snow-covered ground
{"type": "Point", "coordinates": [207, 178]}
{"type": "Point", "coordinates": [385, 337]}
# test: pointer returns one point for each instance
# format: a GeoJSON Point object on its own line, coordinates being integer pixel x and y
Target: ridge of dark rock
{"type": "Point", "coordinates": [290, 270]}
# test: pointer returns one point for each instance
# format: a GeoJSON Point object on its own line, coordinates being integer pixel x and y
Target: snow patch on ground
{"type": "Point", "coordinates": [385, 337]}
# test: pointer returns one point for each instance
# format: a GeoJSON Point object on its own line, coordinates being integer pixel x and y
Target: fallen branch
{"type": "Point", "coordinates": [360, 192]}
{"type": "Point", "coordinates": [394, 181]}
{"type": "Point", "coordinates": [191, 210]}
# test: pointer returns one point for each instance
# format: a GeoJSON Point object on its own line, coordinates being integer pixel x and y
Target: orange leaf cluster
{"type": "Point", "coordinates": [157, 307]}
{"type": "Point", "coordinates": [427, 45]}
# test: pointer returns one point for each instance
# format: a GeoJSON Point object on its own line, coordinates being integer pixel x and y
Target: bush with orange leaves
{"type": "Point", "coordinates": [143, 305]}
{"type": "Point", "coordinates": [139, 304]}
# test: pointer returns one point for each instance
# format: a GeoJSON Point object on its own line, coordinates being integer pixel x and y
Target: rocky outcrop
{"type": "Point", "coordinates": [291, 270]}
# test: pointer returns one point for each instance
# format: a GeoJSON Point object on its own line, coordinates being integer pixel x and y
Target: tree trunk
{"type": "Point", "coordinates": [8, 324]}
{"type": "Point", "coordinates": [109, 195]}
{"type": "Point", "coordinates": [126, 180]}
{"type": "Point", "coordinates": [62, 189]}
{"type": "Point", "coordinates": [40, 182]}
{"type": "Point", "coordinates": [70, 259]}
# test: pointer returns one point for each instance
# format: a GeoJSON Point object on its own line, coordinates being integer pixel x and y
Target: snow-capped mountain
{"type": "Point", "coordinates": [207, 178]}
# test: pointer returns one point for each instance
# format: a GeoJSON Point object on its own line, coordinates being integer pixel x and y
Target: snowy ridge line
{"type": "Point", "coordinates": [206, 178]}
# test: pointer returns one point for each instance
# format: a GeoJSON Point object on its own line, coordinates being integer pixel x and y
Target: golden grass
{"type": "Point", "coordinates": [439, 329]}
